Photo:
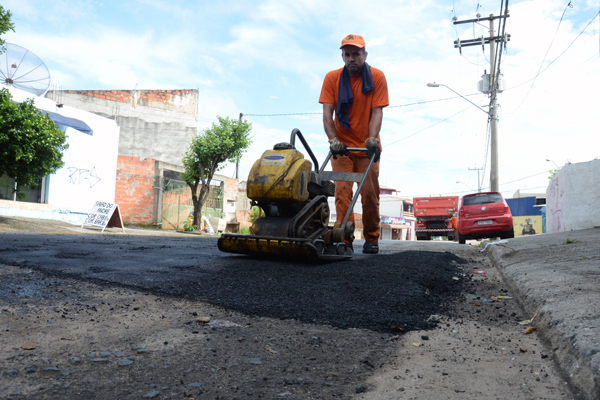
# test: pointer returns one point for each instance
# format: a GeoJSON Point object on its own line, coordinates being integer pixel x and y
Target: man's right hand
{"type": "Point", "coordinates": [338, 148]}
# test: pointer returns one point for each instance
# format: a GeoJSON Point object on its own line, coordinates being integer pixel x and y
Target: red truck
{"type": "Point", "coordinates": [434, 216]}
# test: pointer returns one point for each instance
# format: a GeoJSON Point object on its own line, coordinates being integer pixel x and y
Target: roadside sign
{"type": "Point", "coordinates": [104, 214]}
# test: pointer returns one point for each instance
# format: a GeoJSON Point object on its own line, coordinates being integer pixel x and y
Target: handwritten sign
{"type": "Point", "coordinates": [104, 214]}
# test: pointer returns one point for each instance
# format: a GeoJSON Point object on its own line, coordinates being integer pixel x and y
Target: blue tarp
{"type": "Point", "coordinates": [70, 122]}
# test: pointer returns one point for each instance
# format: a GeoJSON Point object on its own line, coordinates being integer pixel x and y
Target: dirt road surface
{"type": "Point", "coordinates": [112, 316]}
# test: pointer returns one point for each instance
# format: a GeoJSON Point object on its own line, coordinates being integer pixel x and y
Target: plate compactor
{"type": "Point", "coordinates": [293, 198]}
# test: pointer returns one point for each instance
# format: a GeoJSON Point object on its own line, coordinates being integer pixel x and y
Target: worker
{"type": "Point", "coordinates": [454, 226]}
{"type": "Point", "coordinates": [356, 94]}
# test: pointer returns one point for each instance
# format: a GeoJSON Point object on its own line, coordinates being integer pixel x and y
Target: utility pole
{"type": "Point", "coordinates": [493, 114]}
{"type": "Point", "coordinates": [489, 85]}
{"type": "Point", "coordinates": [237, 164]}
{"type": "Point", "coordinates": [478, 182]}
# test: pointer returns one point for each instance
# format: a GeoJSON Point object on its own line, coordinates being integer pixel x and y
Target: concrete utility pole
{"type": "Point", "coordinates": [490, 86]}
{"type": "Point", "coordinates": [494, 174]}
{"type": "Point", "coordinates": [237, 164]}
{"type": "Point", "coordinates": [478, 181]}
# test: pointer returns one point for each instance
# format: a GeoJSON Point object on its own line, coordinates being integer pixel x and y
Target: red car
{"type": "Point", "coordinates": [484, 215]}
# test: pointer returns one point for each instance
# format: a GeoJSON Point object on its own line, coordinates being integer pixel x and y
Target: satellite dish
{"type": "Point", "coordinates": [23, 70]}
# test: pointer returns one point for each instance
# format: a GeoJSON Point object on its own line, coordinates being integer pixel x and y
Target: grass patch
{"type": "Point", "coordinates": [569, 241]}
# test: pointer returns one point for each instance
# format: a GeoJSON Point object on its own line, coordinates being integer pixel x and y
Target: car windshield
{"type": "Point", "coordinates": [483, 199]}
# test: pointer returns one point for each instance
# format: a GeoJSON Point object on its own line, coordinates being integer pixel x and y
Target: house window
{"type": "Point", "coordinates": [33, 193]}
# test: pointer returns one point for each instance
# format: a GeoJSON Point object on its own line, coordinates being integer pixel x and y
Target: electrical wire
{"type": "Point", "coordinates": [527, 177]}
{"type": "Point", "coordinates": [552, 62]}
{"type": "Point", "coordinates": [487, 147]}
{"type": "Point", "coordinates": [388, 107]}
{"type": "Point", "coordinates": [424, 129]}
{"type": "Point", "coordinates": [569, 5]}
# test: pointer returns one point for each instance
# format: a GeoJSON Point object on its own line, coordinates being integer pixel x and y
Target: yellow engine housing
{"type": "Point", "coordinates": [280, 175]}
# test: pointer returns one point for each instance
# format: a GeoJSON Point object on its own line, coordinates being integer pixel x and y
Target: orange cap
{"type": "Point", "coordinates": [353, 40]}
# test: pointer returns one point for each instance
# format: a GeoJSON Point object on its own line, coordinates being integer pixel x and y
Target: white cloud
{"type": "Point", "coordinates": [270, 57]}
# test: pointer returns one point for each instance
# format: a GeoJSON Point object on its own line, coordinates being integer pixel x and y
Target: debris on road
{"type": "Point", "coordinates": [528, 321]}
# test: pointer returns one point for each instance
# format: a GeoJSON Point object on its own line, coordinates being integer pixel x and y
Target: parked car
{"type": "Point", "coordinates": [484, 215]}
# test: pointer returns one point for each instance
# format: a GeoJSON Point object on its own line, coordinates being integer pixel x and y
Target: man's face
{"type": "Point", "coordinates": [354, 58]}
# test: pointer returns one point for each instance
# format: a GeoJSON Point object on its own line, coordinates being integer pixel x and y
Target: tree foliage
{"type": "Point", "coordinates": [5, 25]}
{"type": "Point", "coordinates": [31, 144]}
{"type": "Point", "coordinates": [207, 153]}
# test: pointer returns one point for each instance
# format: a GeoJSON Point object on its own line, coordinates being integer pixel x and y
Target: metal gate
{"type": "Point", "coordinates": [177, 203]}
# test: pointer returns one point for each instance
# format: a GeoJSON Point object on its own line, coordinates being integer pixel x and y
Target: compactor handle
{"type": "Point", "coordinates": [360, 184]}
{"type": "Point", "coordinates": [296, 132]}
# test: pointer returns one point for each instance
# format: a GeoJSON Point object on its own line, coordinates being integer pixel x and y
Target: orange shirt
{"type": "Point", "coordinates": [360, 109]}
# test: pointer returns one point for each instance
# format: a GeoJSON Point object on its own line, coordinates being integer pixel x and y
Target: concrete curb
{"type": "Point", "coordinates": [557, 276]}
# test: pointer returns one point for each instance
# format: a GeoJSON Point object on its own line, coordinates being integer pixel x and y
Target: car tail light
{"type": "Point", "coordinates": [461, 213]}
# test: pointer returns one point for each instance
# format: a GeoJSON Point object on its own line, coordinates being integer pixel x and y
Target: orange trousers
{"type": "Point", "coordinates": [369, 195]}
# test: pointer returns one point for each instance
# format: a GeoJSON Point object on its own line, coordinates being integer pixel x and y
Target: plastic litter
{"type": "Point", "coordinates": [479, 272]}
{"type": "Point", "coordinates": [527, 322]}
{"type": "Point", "coordinates": [493, 244]}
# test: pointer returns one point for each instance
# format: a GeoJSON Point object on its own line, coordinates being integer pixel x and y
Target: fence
{"type": "Point", "coordinates": [177, 203]}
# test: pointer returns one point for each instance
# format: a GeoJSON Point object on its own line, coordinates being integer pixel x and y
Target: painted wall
{"type": "Point", "coordinates": [154, 124]}
{"type": "Point", "coordinates": [573, 198]}
{"type": "Point", "coordinates": [90, 165]}
{"type": "Point", "coordinates": [527, 225]}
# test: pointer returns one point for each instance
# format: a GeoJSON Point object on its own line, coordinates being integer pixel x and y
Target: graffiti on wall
{"type": "Point", "coordinates": [527, 225]}
{"type": "Point", "coordinates": [77, 175]}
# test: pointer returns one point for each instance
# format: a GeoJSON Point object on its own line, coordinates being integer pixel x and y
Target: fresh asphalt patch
{"type": "Point", "coordinates": [388, 292]}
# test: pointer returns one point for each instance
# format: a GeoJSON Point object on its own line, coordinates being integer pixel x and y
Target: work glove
{"type": "Point", "coordinates": [373, 148]}
{"type": "Point", "coordinates": [338, 148]}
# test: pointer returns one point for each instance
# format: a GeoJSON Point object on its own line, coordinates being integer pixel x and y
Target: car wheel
{"type": "Point", "coordinates": [461, 238]}
{"type": "Point", "coordinates": [508, 235]}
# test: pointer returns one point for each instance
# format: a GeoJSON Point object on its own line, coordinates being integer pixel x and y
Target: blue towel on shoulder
{"type": "Point", "coordinates": [345, 95]}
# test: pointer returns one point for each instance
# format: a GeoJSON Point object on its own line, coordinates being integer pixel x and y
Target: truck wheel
{"type": "Point", "coordinates": [461, 238]}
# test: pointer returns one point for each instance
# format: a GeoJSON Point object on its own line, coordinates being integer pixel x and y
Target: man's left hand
{"type": "Point", "coordinates": [373, 148]}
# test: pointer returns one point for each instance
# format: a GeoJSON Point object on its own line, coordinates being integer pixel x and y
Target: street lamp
{"type": "Point", "coordinates": [466, 185]}
{"type": "Point", "coordinates": [433, 84]}
{"type": "Point", "coordinates": [557, 167]}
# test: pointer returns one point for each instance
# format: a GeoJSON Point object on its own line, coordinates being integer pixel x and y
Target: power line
{"type": "Point", "coordinates": [527, 177]}
{"type": "Point", "coordinates": [551, 62]}
{"type": "Point", "coordinates": [486, 188]}
{"type": "Point", "coordinates": [401, 105]}
{"type": "Point", "coordinates": [546, 55]}
{"type": "Point", "coordinates": [424, 129]}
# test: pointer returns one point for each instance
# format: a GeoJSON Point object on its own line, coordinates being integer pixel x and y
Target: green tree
{"type": "Point", "coordinates": [209, 149]}
{"type": "Point", "coordinates": [5, 25]}
{"type": "Point", "coordinates": [31, 144]}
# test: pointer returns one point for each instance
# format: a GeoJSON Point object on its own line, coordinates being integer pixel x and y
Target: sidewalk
{"type": "Point", "coordinates": [557, 276]}
{"type": "Point", "coordinates": [47, 226]}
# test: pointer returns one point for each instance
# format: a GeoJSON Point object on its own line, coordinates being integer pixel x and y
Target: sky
{"type": "Point", "coordinates": [267, 59]}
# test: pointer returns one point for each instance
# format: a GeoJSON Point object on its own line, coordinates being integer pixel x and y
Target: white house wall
{"type": "Point", "coordinates": [89, 173]}
{"type": "Point", "coordinates": [572, 198]}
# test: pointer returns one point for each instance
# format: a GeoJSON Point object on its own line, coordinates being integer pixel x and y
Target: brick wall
{"type": "Point", "coordinates": [134, 191]}
{"type": "Point", "coordinates": [124, 96]}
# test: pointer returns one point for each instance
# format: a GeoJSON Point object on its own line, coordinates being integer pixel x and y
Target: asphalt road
{"type": "Point", "coordinates": [301, 331]}
{"type": "Point", "coordinates": [393, 289]}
